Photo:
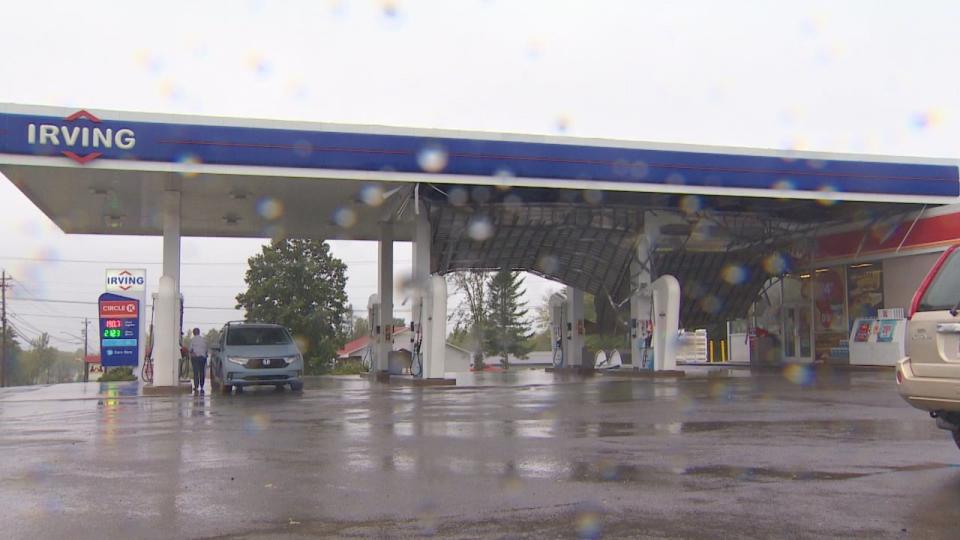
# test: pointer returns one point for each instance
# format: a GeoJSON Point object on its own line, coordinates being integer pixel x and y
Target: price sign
{"type": "Point", "coordinates": [119, 330]}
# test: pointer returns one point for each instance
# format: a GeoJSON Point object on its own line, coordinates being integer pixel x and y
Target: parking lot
{"type": "Point", "coordinates": [520, 455]}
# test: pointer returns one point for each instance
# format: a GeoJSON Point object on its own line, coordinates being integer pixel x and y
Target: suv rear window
{"type": "Point", "coordinates": [254, 335]}
{"type": "Point", "coordinates": [944, 291]}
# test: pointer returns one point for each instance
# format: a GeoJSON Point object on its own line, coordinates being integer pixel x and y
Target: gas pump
{"type": "Point", "coordinates": [641, 333]}
{"type": "Point", "coordinates": [560, 328]}
{"type": "Point", "coordinates": [370, 357]}
{"type": "Point", "coordinates": [146, 374]}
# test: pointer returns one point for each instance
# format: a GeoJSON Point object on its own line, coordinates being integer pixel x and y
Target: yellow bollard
{"type": "Point", "coordinates": [710, 354]}
{"type": "Point", "coordinates": [723, 351]}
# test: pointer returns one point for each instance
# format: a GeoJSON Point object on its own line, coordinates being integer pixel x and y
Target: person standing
{"type": "Point", "coordinates": [198, 359]}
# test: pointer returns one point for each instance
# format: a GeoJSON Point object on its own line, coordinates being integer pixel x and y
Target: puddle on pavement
{"type": "Point", "coordinates": [760, 474]}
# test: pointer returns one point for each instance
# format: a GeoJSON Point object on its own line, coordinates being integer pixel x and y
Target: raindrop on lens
{"type": "Point", "coordinates": [269, 208]}
{"type": "Point", "coordinates": [345, 217]}
{"type": "Point", "coordinates": [189, 159]}
{"type": "Point", "coordinates": [676, 179]}
{"type": "Point", "coordinates": [691, 204]}
{"type": "Point", "coordinates": [775, 264]}
{"type": "Point", "coordinates": [372, 196]}
{"type": "Point", "coordinates": [432, 158]}
{"type": "Point", "coordinates": [734, 274]}
{"type": "Point", "coordinates": [458, 196]}
{"type": "Point", "coordinates": [784, 184]}
{"type": "Point", "coordinates": [548, 264]}
{"type": "Point", "coordinates": [711, 304]}
{"type": "Point", "coordinates": [481, 194]}
{"type": "Point", "coordinates": [480, 228]}
{"type": "Point", "coordinates": [593, 196]}
{"type": "Point", "coordinates": [827, 189]}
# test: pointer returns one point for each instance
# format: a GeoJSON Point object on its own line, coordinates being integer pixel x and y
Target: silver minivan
{"type": "Point", "coordinates": [255, 354]}
{"type": "Point", "coordinates": [929, 377]}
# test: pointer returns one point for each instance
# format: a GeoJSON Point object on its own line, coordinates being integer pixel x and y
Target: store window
{"type": "Point", "coordinates": [830, 314]}
{"type": "Point", "coordinates": [864, 290]}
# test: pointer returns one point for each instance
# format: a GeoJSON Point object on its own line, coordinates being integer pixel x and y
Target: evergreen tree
{"type": "Point", "coordinates": [507, 330]}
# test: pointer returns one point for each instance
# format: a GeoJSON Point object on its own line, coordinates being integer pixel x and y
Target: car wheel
{"type": "Point", "coordinates": [296, 386]}
{"type": "Point", "coordinates": [279, 387]}
{"type": "Point", "coordinates": [956, 437]}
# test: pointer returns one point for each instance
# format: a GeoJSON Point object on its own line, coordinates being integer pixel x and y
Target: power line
{"type": "Point", "coordinates": [51, 316]}
{"type": "Point", "coordinates": [90, 303]}
{"type": "Point", "coordinates": [26, 325]}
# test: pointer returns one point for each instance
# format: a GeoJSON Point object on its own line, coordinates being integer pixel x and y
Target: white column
{"type": "Point", "coordinates": [575, 337]}
{"type": "Point", "coordinates": [167, 339]}
{"type": "Point", "coordinates": [437, 328]}
{"type": "Point", "coordinates": [666, 307]}
{"type": "Point", "coordinates": [385, 291]}
{"type": "Point", "coordinates": [426, 297]}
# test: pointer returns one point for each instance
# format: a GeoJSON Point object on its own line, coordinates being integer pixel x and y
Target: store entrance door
{"type": "Point", "coordinates": [797, 333]}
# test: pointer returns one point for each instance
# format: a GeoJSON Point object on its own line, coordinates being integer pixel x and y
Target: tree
{"type": "Point", "coordinates": [470, 317]}
{"type": "Point", "coordinates": [15, 370]}
{"type": "Point", "coordinates": [212, 337]}
{"type": "Point", "coordinates": [43, 356]}
{"type": "Point", "coordinates": [360, 328]}
{"type": "Point", "coordinates": [507, 329]}
{"type": "Point", "coordinates": [299, 284]}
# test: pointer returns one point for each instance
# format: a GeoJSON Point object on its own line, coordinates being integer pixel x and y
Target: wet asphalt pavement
{"type": "Point", "coordinates": [522, 455]}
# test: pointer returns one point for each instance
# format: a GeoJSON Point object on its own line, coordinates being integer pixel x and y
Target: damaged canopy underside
{"type": "Point", "coordinates": [721, 249]}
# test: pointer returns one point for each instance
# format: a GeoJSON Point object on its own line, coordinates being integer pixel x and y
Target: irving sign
{"type": "Point", "coordinates": [123, 280]}
{"type": "Point", "coordinates": [77, 139]}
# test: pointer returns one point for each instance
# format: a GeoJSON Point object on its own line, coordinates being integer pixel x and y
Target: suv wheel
{"type": "Point", "coordinates": [298, 386]}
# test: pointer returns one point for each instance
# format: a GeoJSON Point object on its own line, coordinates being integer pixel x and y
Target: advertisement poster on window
{"type": "Point", "coordinates": [885, 334]}
{"type": "Point", "coordinates": [864, 290]}
{"type": "Point", "coordinates": [863, 332]}
{"type": "Point", "coordinates": [828, 300]}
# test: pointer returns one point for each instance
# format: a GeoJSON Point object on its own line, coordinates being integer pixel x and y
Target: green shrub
{"type": "Point", "coordinates": [348, 368]}
{"type": "Point", "coordinates": [118, 374]}
{"type": "Point", "coordinates": [318, 365]}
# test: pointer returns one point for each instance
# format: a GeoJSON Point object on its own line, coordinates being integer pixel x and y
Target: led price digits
{"type": "Point", "coordinates": [112, 332]}
{"type": "Point", "coordinates": [113, 323]}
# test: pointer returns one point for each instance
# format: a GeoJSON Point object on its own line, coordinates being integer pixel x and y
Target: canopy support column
{"type": "Point", "coordinates": [385, 291]}
{"type": "Point", "coordinates": [166, 348]}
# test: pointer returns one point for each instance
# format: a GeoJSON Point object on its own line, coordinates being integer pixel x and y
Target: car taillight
{"type": "Point", "coordinates": [899, 375]}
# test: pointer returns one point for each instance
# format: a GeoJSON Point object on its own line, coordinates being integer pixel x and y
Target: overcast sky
{"type": "Point", "coordinates": [853, 76]}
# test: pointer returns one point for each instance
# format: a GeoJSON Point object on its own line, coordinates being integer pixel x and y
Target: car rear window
{"type": "Point", "coordinates": [257, 336]}
{"type": "Point", "coordinates": [944, 291]}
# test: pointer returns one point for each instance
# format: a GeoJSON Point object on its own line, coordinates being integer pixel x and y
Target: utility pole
{"type": "Point", "coordinates": [86, 368]}
{"type": "Point", "coordinates": [3, 323]}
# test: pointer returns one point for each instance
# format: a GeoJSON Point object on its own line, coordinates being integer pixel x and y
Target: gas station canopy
{"type": "Point", "coordinates": [568, 209]}
{"type": "Point", "coordinates": [103, 172]}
